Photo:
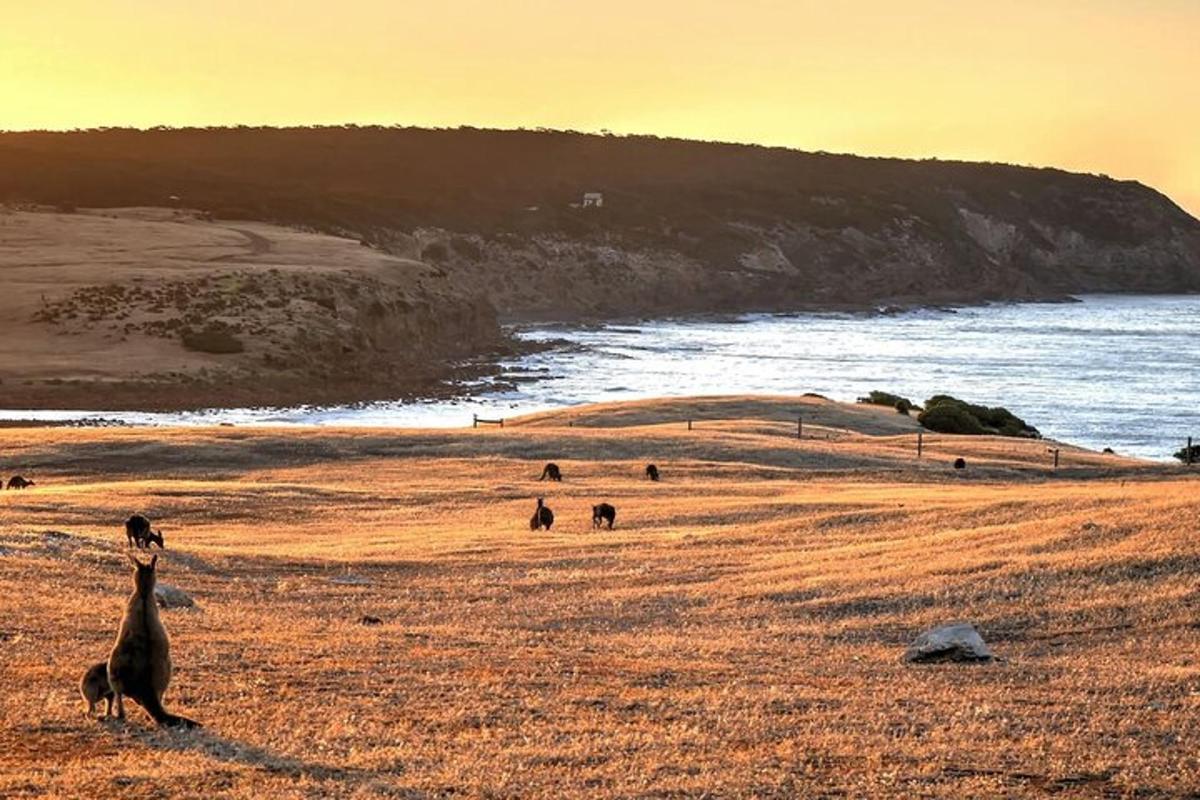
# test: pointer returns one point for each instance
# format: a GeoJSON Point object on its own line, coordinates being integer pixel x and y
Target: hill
{"type": "Point", "coordinates": [738, 634]}
{"type": "Point", "coordinates": [684, 226]}
{"type": "Point", "coordinates": [143, 308]}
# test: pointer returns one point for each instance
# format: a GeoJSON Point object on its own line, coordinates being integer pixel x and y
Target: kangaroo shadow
{"type": "Point", "coordinates": [231, 751]}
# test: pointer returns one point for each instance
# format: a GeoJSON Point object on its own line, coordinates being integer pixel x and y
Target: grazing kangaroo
{"type": "Point", "coordinates": [603, 512]}
{"type": "Point", "coordinates": [543, 517]}
{"type": "Point", "coordinates": [18, 482]}
{"type": "Point", "coordinates": [960, 463]}
{"type": "Point", "coordinates": [552, 472]}
{"type": "Point", "coordinates": [139, 666]}
{"type": "Point", "coordinates": [137, 531]}
{"type": "Point", "coordinates": [94, 688]}
{"type": "Point", "coordinates": [652, 472]}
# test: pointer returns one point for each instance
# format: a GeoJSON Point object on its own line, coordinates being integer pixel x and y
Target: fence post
{"type": "Point", "coordinates": [920, 442]}
{"type": "Point", "coordinates": [474, 420]}
{"type": "Point", "coordinates": [502, 422]}
{"type": "Point", "coordinates": [799, 427]}
{"type": "Point", "coordinates": [1188, 452]}
{"type": "Point", "coordinates": [1055, 450]}
{"type": "Point", "coordinates": [689, 424]}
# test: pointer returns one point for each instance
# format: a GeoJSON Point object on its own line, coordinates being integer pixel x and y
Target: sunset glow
{"type": "Point", "coordinates": [1089, 85]}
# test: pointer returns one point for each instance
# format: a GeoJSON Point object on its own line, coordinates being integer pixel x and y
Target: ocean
{"type": "Point", "coordinates": [1109, 371]}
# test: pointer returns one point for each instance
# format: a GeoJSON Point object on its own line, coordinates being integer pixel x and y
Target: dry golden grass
{"type": "Point", "coordinates": [738, 635]}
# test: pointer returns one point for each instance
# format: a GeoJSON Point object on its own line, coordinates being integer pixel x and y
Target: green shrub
{"type": "Point", "coordinates": [903, 406]}
{"type": "Point", "coordinates": [878, 398]}
{"type": "Point", "coordinates": [216, 339]}
{"type": "Point", "coordinates": [951, 418]}
{"type": "Point", "coordinates": [1182, 455]}
{"type": "Point", "coordinates": [950, 412]}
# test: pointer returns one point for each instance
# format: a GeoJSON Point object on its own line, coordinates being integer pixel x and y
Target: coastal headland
{"type": "Point", "coordinates": [176, 269]}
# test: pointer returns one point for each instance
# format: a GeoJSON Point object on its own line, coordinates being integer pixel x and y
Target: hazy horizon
{"type": "Point", "coordinates": [1088, 87]}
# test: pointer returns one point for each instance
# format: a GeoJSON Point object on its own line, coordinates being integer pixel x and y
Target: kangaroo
{"type": "Point", "coordinates": [960, 463]}
{"type": "Point", "coordinates": [652, 472]}
{"type": "Point", "coordinates": [543, 517]}
{"type": "Point", "coordinates": [94, 688]}
{"type": "Point", "coordinates": [552, 472]}
{"type": "Point", "coordinates": [18, 482]}
{"type": "Point", "coordinates": [137, 531]}
{"type": "Point", "coordinates": [603, 512]}
{"type": "Point", "coordinates": [139, 665]}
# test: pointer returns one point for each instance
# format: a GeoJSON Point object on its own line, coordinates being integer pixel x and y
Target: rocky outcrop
{"type": "Point", "coordinates": [794, 264]}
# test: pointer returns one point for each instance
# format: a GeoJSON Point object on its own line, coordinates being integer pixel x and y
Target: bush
{"type": "Point", "coordinates": [903, 406]}
{"type": "Point", "coordinates": [1182, 455]}
{"type": "Point", "coordinates": [435, 252]}
{"type": "Point", "coordinates": [878, 398]}
{"type": "Point", "coordinates": [950, 418]}
{"type": "Point", "coordinates": [216, 339]}
{"type": "Point", "coordinates": [950, 412]}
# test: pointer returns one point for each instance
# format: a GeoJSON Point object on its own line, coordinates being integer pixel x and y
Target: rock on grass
{"type": "Point", "coordinates": [169, 596]}
{"type": "Point", "coordinates": [958, 642]}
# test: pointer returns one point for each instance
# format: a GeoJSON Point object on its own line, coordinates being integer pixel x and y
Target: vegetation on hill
{"type": "Point", "coordinates": [946, 414]}
{"type": "Point", "coordinates": [215, 338]}
{"type": "Point", "coordinates": [1192, 457]}
{"type": "Point", "coordinates": [877, 398]}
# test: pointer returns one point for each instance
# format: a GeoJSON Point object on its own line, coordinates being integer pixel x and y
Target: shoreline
{"type": "Point", "coordinates": [512, 383]}
{"type": "Point", "coordinates": [181, 397]}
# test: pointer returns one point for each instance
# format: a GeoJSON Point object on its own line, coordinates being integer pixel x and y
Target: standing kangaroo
{"type": "Point", "coordinates": [543, 517]}
{"type": "Point", "coordinates": [139, 665]}
{"type": "Point", "coordinates": [652, 472]}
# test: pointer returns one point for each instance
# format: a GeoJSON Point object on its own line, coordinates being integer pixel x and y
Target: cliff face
{"type": "Point", "coordinates": [975, 254]}
{"type": "Point", "coordinates": [684, 226]}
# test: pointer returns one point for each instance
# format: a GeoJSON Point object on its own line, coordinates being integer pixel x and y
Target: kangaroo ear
{"type": "Point", "coordinates": [153, 562]}
{"type": "Point", "coordinates": [133, 560]}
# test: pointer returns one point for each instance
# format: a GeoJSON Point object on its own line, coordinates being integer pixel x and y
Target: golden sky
{"type": "Point", "coordinates": [1092, 85]}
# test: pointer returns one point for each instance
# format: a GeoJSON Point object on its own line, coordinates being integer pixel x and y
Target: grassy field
{"type": "Point", "coordinates": [739, 634]}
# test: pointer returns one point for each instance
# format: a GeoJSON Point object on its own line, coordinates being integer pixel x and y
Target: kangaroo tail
{"type": "Point", "coordinates": [163, 717]}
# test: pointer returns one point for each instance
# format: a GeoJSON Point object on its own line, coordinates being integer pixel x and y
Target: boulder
{"type": "Point", "coordinates": [956, 642]}
{"type": "Point", "coordinates": [169, 596]}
